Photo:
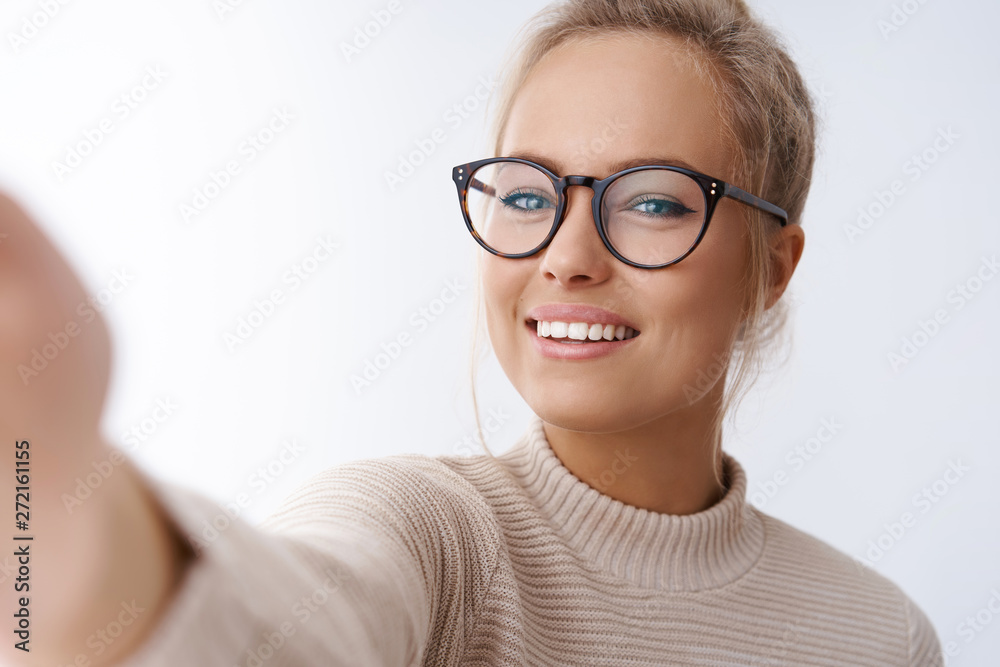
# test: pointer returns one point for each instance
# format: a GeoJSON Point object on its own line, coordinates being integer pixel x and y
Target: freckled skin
{"type": "Point", "coordinates": [687, 314]}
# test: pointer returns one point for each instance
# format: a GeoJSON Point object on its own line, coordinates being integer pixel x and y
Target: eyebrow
{"type": "Point", "coordinates": [554, 166]}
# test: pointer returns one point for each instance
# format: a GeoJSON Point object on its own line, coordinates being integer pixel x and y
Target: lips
{"type": "Point", "coordinates": [578, 341]}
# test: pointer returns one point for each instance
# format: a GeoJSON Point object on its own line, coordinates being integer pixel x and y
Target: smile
{"type": "Point", "coordinates": [578, 341]}
{"type": "Point", "coordinates": [582, 332]}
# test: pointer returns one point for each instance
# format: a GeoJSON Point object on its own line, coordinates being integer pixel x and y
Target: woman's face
{"type": "Point", "coordinates": [589, 108]}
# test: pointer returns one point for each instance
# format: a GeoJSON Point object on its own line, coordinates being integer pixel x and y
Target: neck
{"type": "Point", "coordinates": [666, 465]}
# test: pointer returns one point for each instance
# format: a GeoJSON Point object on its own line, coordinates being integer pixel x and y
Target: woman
{"type": "Point", "coordinates": [617, 285]}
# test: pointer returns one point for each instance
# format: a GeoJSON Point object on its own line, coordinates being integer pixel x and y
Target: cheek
{"type": "Point", "coordinates": [699, 302]}
{"type": "Point", "coordinates": [720, 262]}
{"type": "Point", "coordinates": [502, 287]}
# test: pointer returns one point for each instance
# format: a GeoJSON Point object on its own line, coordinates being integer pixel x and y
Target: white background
{"type": "Point", "coordinates": [884, 98]}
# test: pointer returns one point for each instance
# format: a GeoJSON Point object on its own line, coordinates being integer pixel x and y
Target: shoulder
{"type": "Point", "coordinates": [402, 496]}
{"type": "Point", "coordinates": [414, 480]}
{"type": "Point", "coordinates": [814, 560]}
{"type": "Point", "coordinates": [845, 587]}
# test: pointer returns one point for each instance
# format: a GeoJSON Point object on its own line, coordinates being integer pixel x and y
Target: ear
{"type": "Point", "coordinates": [786, 248]}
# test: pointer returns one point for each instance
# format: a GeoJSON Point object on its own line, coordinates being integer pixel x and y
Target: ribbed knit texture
{"type": "Point", "coordinates": [418, 560]}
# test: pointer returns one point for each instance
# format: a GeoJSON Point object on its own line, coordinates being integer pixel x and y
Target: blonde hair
{"type": "Point", "coordinates": [768, 118]}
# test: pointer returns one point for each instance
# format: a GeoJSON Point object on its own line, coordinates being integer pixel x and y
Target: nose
{"type": "Point", "coordinates": [577, 255]}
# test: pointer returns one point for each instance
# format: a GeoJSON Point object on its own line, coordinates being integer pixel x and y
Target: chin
{"type": "Point", "coordinates": [589, 416]}
{"type": "Point", "coordinates": [613, 412]}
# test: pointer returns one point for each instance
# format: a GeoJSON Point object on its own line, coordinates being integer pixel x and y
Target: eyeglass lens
{"type": "Point", "coordinates": [651, 216]}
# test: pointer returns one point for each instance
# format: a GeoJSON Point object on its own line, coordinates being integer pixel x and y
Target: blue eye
{"type": "Point", "coordinates": [526, 201]}
{"type": "Point", "coordinates": [654, 206]}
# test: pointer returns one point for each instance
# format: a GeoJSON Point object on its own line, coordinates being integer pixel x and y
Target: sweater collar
{"type": "Point", "coordinates": [670, 552]}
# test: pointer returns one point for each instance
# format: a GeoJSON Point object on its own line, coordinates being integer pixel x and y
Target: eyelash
{"type": "Point", "coordinates": [517, 194]}
{"type": "Point", "coordinates": [680, 209]}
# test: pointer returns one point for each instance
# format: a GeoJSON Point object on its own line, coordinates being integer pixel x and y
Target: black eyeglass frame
{"type": "Point", "coordinates": [714, 190]}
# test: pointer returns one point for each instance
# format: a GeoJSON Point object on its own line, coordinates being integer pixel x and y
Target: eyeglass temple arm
{"type": "Point", "coordinates": [477, 184]}
{"type": "Point", "coordinates": [756, 202]}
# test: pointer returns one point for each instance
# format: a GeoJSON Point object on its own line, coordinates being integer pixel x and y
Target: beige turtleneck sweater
{"type": "Point", "coordinates": [419, 560]}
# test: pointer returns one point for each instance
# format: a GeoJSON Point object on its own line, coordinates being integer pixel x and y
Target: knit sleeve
{"type": "Point", "coordinates": [365, 564]}
{"type": "Point", "coordinates": [925, 647]}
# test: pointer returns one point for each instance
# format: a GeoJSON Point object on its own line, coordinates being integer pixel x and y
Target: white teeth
{"type": "Point", "coordinates": [577, 330]}
{"type": "Point", "coordinates": [583, 331]}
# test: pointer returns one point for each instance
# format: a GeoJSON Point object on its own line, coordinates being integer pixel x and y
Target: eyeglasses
{"type": "Point", "coordinates": [648, 216]}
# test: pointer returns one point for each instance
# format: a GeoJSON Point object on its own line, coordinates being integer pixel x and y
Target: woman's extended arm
{"type": "Point", "coordinates": [84, 559]}
{"type": "Point", "coordinates": [366, 564]}
{"type": "Point", "coordinates": [369, 563]}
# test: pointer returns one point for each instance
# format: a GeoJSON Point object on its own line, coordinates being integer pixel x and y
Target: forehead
{"type": "Point", "coordinates": [591, 105]}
